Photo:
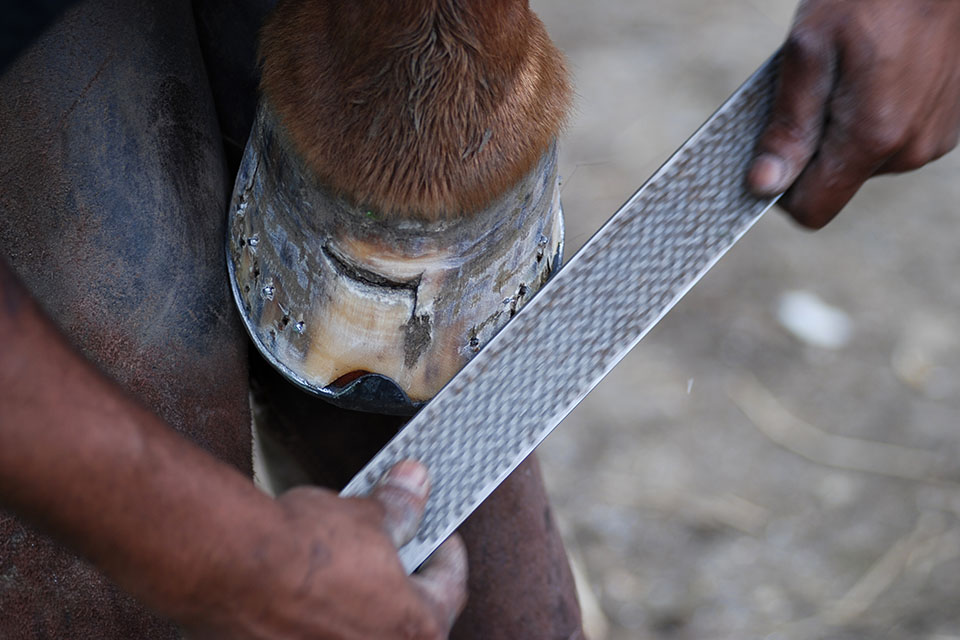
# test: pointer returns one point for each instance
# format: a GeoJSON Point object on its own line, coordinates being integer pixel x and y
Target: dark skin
{"type": "Point", "coordinates": [867, 87]}
{"type": "Point", "coordinates": [247, 566]}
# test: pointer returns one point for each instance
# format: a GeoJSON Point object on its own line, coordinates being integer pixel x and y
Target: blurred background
{"type": "Point", "coordinates": [780, 458]}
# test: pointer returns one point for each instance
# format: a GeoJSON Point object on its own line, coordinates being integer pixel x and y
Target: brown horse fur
{"type": "Point", "coordinates": [415, 108]}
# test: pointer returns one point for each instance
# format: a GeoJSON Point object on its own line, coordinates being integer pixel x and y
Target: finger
{"type": "Point", "coordinates": [938, 139]}
{"type": "Point", "coordinates": [839, 169]}
{"type": "Point", "coordinates": [949, 142]}
{"type": "Point", "coordinates": [442, 580]}
{"type": "Point", "coordinates": [403, 493]}
{"type": "Point", "coordinates": [799, 110]}
{"type": "Point", "coordinates": [918, 153]}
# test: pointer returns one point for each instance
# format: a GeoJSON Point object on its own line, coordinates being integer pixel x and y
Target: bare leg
{"type": "Point", "coordinates": [520, 581]}
{"type": "Point", "coordinates": [111, 211]}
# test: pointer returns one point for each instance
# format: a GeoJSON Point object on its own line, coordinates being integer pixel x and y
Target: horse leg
{"type": "Point", "coordinates": [411, 111]}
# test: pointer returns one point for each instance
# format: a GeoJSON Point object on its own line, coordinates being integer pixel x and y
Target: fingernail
{"type": "Point", "coordinates": [409, 476]}
{"type": "Point", "coordinates": [768, 174]}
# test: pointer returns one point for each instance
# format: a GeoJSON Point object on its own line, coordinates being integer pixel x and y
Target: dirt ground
{"type": "Point", "coordinates": [733, 478]}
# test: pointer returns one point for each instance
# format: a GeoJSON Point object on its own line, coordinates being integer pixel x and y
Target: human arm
{"type": "Point", "coordinates": [866, 87]}
{"type": "Point", "coordinates": [189, 535]}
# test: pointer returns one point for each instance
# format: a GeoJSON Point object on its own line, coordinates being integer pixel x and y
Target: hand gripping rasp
{"type": "Point", "coordinates": [506, 400]}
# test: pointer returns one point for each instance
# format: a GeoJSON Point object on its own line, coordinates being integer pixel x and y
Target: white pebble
{"type": "Point", "coordinates": [813, 321]}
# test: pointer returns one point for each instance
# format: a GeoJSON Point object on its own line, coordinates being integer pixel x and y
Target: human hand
{"type": "Point", "coordinates": [189, 535]}
{"type": "Point", "coordinates": [866, 87]}
{"type": "Point", "coordinates": [332, 571]}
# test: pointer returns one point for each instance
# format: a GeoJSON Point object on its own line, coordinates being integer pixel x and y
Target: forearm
{"type": "Point", "coordinates": [85, 462]}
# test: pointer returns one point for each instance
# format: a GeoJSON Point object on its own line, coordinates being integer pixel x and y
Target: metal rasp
{"type": "Point", "coordinates": [506, 400]}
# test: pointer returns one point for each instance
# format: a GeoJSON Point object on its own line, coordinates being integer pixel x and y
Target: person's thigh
{"type": "Point", "coordinates": [112, 208]}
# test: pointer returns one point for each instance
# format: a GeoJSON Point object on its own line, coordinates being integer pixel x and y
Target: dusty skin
{"type": "Point", "coordinates": [724, 481]}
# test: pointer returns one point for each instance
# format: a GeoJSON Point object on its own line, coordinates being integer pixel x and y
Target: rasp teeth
{"type": "Point", "coordinates": [572, 333]}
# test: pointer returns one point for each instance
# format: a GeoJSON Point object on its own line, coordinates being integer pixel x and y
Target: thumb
{"type": "Point", "coordinates": [403, 492]}
{"type": "Point", "coordinates": [799, 110]}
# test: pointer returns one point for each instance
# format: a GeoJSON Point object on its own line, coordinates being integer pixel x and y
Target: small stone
{"type": "Point", "coordinates": [926, 355]}
{"type": "Point", "coordinates": [813, 321]}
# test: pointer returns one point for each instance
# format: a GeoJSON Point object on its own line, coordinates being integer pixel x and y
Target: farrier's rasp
{"type": "Point", "coordinates": [503, 403]}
